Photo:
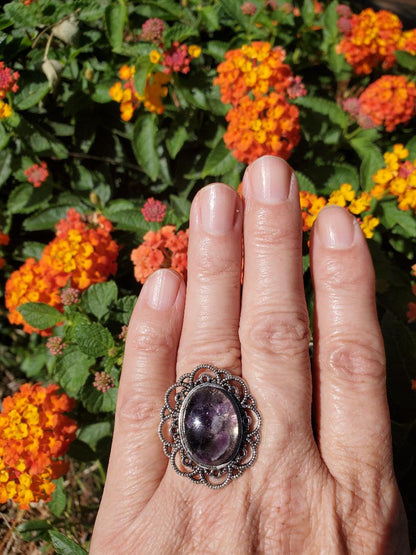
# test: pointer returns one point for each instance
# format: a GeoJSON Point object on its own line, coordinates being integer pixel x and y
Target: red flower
{"type": "Point", "coordinates": [153, 210]}
{"type": "Point", "coordinates": [37, 174]}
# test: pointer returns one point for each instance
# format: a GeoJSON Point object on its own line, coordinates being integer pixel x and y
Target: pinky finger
{"type": "Point", "coordinates": [137, 462]}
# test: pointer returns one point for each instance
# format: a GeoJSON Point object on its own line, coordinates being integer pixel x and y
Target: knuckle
{"type": "Point", "coordinates": [277, 333]}
{"type": "Point", "coordinates": [152, 337]}
{"type": "Point", "coordinates": [222, 265]}
{"type": "Point", "coordinates": [272, 230]}
{"type": "Point", "coordinates": [138, 408]}
{"type": "Point", "coordinates": [214, 349]}
{"type": "Point", "coordinates": [337, 274]}
{"type": "Point", "coordinates": [357, 360]}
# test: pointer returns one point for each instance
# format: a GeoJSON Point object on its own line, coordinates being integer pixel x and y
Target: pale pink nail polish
{"type": "Point", "coordinates": [218, 204]}
{"type": "Point", "coordinates": [336, 227]}
{"type": "Point", "coordinates": [161, 289]}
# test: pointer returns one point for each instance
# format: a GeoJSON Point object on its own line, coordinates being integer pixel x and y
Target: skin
{"type": "Point", "coordinates": [327, 489]}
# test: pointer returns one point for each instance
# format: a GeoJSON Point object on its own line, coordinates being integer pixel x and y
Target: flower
{"type": "Point", "coordinates": [407, 42]}
{"type": "Point", "coordinates": [153, 210]}
{"type": "Point", "coordinates": [310, 205]}
{"type": "Point", "coordinates": [70, 296]}
{"type": "Point", "coordinates": [389, 101]}
{"type": "Point", "coordinates": [161, 249]}
{"type": "Point", "coordinates": [123, 334]}
{"type": "Point", "coordinates": [398, 178]}
{"type": "Point", "coordinates": [194, 51]}
{"type": "Point", "coordinates": [34, 435]}
{"type": "Point", "coordinates": [103, 381]}
{"type": "Point", "coordinates": [368, 224]}
{"type": "Point", "coordinates": [152, 30]}
{"type": "Point", "coordinates": [155, 56]}
{"type": "Point", "coordinates": [5, 110]}
{"type": "Point", "coordinates": [37, 174]}
{"type": "Point", "coordinates": [256, 68]}
{"type": "Point", "coordinates": [371, 40]}
{"type": "Point", "coordinates": [268, 125]}
{"type": "Point", "coordinates": [248, 8]}
{"type": "Point", "coordinates": [176, 59]}
{"type": "Point", "coordinates": [4, 238]}
{"type": "Point", "coordinates": [8, 80]}
{"type": "Point", "coordinates": [55, 345]}
{"type": "Point", "coordinates": [154, 92]}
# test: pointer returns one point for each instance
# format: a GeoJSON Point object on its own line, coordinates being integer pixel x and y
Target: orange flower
{"type": "Point", "coordinates": [398, 178]}
{"type": "Point", "coordinates": [34, 434]}
{"type": "Point", "coordinates": [268, 125]}
{"type": "Point", "coordinates": [407, 42]}
{"type": "Point", "coordinates": [82, 253]}
{"type": "Point", "coordinates": [161, 249]}
{"type": "Point", "coordinates": [371, 41]}
{"type": "Point", "coordinates": [256, 68]}
{"type": "Point", "coordinates": [389, 101]}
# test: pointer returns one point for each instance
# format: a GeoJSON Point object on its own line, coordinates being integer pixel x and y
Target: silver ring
{"type": "Point", "coordinates": [210, 426]}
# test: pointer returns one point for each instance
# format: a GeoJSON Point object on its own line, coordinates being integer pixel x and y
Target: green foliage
{"type": "Point", "coordinates": [102, 165]}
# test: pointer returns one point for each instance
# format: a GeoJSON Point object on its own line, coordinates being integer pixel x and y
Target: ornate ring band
{"type": "Point", "coordinates": [210, 426]}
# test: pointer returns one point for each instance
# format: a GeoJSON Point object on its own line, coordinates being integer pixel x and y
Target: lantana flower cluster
{"type": "Point", "coordinates": [311, 204]}
{"type": "Point", "coordinates": [161, 249]}
{"type": "Point", "coordinates": [371, 38]}
{"type": "Point", "coordinates": [35, 433]}
{"type": "Point", "coordinates": [258, 84]}
{"type": "Point", "coordinates": [81, 254]}
{"type": "Point", "coordinates": [398, 178]}
{"type": "Point", "coordinates": [37, 174]}
{"type": "Point", "coordinates": [8, 84]}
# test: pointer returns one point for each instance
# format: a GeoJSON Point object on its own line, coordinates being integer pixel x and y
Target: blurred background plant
{"type": "Point", "coordinates": [112, 115]}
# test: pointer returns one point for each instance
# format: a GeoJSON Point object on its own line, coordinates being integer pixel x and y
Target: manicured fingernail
{"type": "Point", "coordinates": [218, 204]}
{"type": "Point", "coordinates": [336, 227]}
{"type": "Point", "coordinates": [270, 179]}
{"type": "Point", "coordinates": [161, 289]}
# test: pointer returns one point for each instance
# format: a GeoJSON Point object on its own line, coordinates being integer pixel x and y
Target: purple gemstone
{"type": "Point", "coordinates": [211, 426]}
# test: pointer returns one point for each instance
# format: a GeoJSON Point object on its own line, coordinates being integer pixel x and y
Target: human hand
{"type": "Point", "coordinates": [332, 492]}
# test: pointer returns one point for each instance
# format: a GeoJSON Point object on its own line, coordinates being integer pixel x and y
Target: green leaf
{"type": "Point", "coordinates": [4, 137]}
{"type": "Point", "coordinates": [342, 173]}
{"type": "Point", "coordinates": [324, 107]}
{"type": "Point", "coordinates": [92, 338]}
{"type": "Point", "coordinates": [144, 145]}
{"type": "Point", "coordinates": [46, 219]}
{"type": "Point", "coordinates": [411, 147]}
{"type": "Point", "coordinates": [176, 139]}
{"type": "Point", "coordinates": [72, 370]}
{"type": "Point", "coordinates": [180, 32]}
{"type": "Point", "coordinates": [64, 546]}
{"type": "Point", "coordinates": [209, 18]}
{"type": "Point", "coordinates": [406, 60]}
{"type": "Point", "coordinates": [143, 66]}
{"type": "Point", "coordinates": [115, 19]}
{"type": "Point", "coordinates": [96, 401]}
{"type": "Point", "coordinates": [40, 315]}
{"type": "Point", "coordinates": [58, 502]}
{"type": "Point", "coordinates": [98, 298]}
{"type": "Point", "coordinates": [181, 207]}
{"type": "Point", "coordinates": [233, 9]}
{"type": "Point", "coordinates": [25, 198]}
{"type": "Point", "coordinates": [219, 161]}
{"type": "Point", "coordinates": [372, 160]}
{"type": "Point", "coordinates": [124, 308]}
{"type": "Point", "coordinates": [130, 220]}
{"type": "Point", "coordinates": [34, 363]}
{"type": "Point", "coordinates": [392, 216]}
{"type": "Point", "coordinates": [305, 184]}
{"type": "Point", "coordinates": [5, 165]}
{"type": "Point", "coordinates": [308, 12]}
{"type": "Point", "coordinates": [31, 94]}
{"type": "Point", "coordinates": [91, 434]}
{"type": "Point", "coordinates": [81, 451]}
{"type": "Point", "coordinates": [33, 530]}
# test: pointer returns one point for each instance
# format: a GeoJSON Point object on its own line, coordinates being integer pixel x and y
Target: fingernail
{"type": "Point", "coordinates": [161, 289]}
{"type": "Point", "coordinates": [270, 179]}
{"type": "Point", "coordinates": [218, 205]}
{"type": "Point", "coordinates": [336, 227]}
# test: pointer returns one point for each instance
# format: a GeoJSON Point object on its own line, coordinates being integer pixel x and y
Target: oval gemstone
{"type": "Point", "coordinates": [211, 426]}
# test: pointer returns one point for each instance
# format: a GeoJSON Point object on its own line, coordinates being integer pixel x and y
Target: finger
{"type": "Point", "coordinates": [137, 462]}
{"type": "Point", "coordinates": [274, 320]}
{"type": "Point", "coordinates": [351, 408]}
{"type": "Point", "coordinates": [212, 312]}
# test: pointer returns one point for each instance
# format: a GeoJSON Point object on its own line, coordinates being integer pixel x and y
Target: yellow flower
{"type": "Point", "coordinates": [116, 92]}
{"type": "Point", "coordinates": [360, 204]}
{"type": "Point", "coordinates": [5, 110]}
{"type": "Point", "coordinates": [194, 50]}
{"type": "Point", "coordinates": [126, 72]}
{"type": "Point", "coordinates": [368, 224]}
{"type": "Point", "coordinates": [155, 56]}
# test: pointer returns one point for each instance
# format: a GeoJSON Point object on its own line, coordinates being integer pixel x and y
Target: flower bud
{"type": "Point", "coordinates": [67, 30]}
{"type": "Point", "coordinates": [52, 69]}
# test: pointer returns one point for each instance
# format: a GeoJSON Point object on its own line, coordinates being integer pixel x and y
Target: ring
{"type": "Point", "coordinates": [210, 426]}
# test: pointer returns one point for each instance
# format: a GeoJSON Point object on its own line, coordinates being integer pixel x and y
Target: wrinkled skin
{"type": "Point", "coordinates": [332, 491]}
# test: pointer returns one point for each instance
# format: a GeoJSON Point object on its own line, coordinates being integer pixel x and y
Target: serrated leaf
{"type": "Point", "coordinates": [130, 220]}
{"type": "Point", "coordinates": [46, 219]}
{"type": "Point", "coordinates": [233, 9]}
{"type": "Point", "coordinates": [180, 32]}
{"type": "Point", "coordinates": [219, 161]}
{"type": "Point", "coordinates": [40, 315]}
{"type": "Point", "coordinates": [92, 338]}
{"type": "Point", "coordinates": [169, 6]}
{"type": "Point", "coordinates": [324, 107]}
{"type": "Point", "coordinates": [343, 173]}
{"type": "Point", "coordinates": [115, 19]}
{"type": "Point", "coordinates": [305, 184]}
{"type": "Point", "coordinates": [176, 139]}
{"type": "Point", "coordinates": [392, 215]}
{"type": "Point", "coordinates": [144, 145]}
{"type": "Point", "coordinates": [72, 369]}
{"type": "Point", "coordinates": [142, 66]}
{"type": "Point", "coordinates": [32, 93]}
{"type": "Point", "coordinates": [124, 308]}
{"type": "Point", "coordinates": [65, 546]}
{"type": "Point", "coordinates": [372, 160]}
{"type": "Point", "coordinates": [181, 207]}
{"type": "Point", "coordinates": [209, 17]}
{"type": "Point", "coordinates": [25, 198]}
{"type": "Point", "coordinates": [58, 502]}
{"type": "Point", "coordinates": [98, 298]}
{"type": "Point", "coordinates": [34, 364]}
{"type": "Point", "coordinates": [96, 401]}
{"type": "Point", "coordinates": [91, 434]}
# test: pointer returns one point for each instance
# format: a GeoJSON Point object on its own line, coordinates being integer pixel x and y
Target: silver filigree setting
{"type": "Point", "coordinates": [173, 438]}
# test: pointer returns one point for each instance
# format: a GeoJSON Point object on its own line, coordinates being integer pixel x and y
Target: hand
{"type": "Point", "coordinates": [332, 492]}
